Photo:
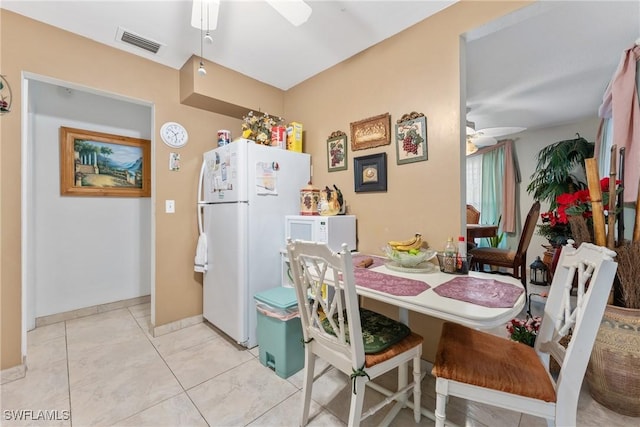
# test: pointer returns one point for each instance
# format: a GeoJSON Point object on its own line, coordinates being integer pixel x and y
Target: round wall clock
{"type": "Point", "coordinates": [174, 134]}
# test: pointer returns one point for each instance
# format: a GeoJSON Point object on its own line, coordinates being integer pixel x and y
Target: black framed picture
{"type": "Point", "coordinates": [370, 173]}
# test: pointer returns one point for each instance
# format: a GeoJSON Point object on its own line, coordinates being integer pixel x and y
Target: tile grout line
{"type": "Point", "coordinates": [148, 337]}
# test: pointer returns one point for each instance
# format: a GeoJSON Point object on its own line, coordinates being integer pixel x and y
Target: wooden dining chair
{"type": "Point", "coordinates": [515, 260]}
{"type": "Point", "coordinates": [360, 343]}
{"type": "Point", "coordinates": [473, 215]}
{"type": "Point", "coordinates": [489, 369]}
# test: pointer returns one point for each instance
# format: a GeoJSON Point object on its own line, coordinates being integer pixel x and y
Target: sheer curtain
{"type": "Point", "coordinates": [474, 182]}
{"type": "Point", "coordinates": [499, 174]}
{"type": "Point", "coordinates": [493, 167]}
{"type": "Point", "coordinates": [492, 175]}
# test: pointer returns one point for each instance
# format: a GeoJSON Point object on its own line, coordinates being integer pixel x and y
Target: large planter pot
{"type": "Point", "coordinates": [613, 373]}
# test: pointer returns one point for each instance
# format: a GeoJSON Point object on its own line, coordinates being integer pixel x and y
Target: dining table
{"type": "Point", "coordinates": [476, 299]}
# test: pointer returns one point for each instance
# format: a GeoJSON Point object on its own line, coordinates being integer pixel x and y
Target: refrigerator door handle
{"type": "Point", "coordinates": [201, 201]}
{"type": "Point", "coordinates": [201, 262]}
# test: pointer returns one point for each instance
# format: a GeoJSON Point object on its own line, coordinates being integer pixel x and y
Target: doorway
{"type": "Point", "coordinates": [78, 251]}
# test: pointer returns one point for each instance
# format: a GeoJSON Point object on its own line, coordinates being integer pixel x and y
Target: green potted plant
{"type": "Point", "coordinates": [494, 241]}
{"type": "Point", "coordinates": [560, 170]}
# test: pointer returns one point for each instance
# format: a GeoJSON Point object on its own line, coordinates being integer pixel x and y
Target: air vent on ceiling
{"type": "Point", "coordinates": [137, 40]}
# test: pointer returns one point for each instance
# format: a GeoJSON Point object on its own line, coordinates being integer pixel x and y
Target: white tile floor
{"type": "Point", "coordinates": [106, 370]}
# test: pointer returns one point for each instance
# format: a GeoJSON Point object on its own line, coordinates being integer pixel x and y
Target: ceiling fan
{"type": "Point", "coordinates": [486, 137]}
{"type": "Point", "coordinates": [203, 12]}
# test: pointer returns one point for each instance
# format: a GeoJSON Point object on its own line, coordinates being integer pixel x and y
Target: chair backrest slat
{"type": "Point", "coordinates": [528, 228]}
{"type": "Point", "coordinates": [594, 269]}
{"type": "Point", "coordinates": [325, 289]}
{"type": "Point", "coordinates": [473, 215]}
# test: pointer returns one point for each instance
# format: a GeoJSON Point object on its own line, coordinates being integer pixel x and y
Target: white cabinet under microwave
{"type": "Point", "coordinates": [333, 230]}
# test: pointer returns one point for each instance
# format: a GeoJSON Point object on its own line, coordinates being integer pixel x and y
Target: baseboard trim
{"type": "Point", "coordinates": [88, 311]}
{"type": "Point", "coordinates": [14, 373]}
{"type": "Point", "coordinates": [174, 326]}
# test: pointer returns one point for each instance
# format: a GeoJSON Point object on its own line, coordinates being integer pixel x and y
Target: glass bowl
{"type": "Point", "coordinates": [406, 259]}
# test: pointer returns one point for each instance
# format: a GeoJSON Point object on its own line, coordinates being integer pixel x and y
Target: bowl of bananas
{"type": "Point", "coordinates": [408, 253]}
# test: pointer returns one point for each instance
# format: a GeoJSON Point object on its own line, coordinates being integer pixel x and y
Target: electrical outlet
{"type": "Point", "coordinates": [170, 206]}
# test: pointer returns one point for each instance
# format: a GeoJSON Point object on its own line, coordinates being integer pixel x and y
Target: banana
{"type": "Point", "coordinates": [415, 245]}
{"type": "Point", "coordinates": [394, 243]}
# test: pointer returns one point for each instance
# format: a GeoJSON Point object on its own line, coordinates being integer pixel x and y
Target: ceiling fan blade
{"type": "Point", "coordinates": [295, 11]}
{"type": "Point", "coordinates": [480, 140]}
{"type": "Point", "coordinates": [500, 131]}
{"type": "Point", "coordinates": [204, 14]}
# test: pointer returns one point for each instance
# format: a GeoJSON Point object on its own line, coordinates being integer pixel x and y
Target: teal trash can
{"type": "Point", "coordinates": [279, 331]}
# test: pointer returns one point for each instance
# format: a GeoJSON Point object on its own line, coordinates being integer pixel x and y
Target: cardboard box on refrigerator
{"type": "Point", "coordinates": [294, 137]}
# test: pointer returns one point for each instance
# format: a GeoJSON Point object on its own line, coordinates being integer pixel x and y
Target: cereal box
{"type": "Point", "coordinates": [294, 137]}
{"type": "Point", "coordinates": [279, 136]}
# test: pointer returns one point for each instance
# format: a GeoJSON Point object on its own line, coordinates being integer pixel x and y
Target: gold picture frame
{"type": "Point", "coordinates": [101, 164]}
{"type": "Point", "coordinates": [371, 132]}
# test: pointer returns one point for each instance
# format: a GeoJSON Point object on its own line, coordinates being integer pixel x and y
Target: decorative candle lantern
{"type": "Point", "coordinates": [538, 273]}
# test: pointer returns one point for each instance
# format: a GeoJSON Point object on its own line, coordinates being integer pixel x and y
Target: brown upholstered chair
{"type": "Point", "coordinates": [473, 215]}
{"type": "Point", "coordinates": [515, 260]}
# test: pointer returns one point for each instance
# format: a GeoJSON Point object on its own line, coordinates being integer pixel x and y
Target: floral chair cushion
{"type": "Point", "coordinates": [378, 332]}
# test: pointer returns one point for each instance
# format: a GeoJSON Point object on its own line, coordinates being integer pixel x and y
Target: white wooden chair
{"type": "Point", "coordinates": [485, 368]}
{"type": "Point", "coordinates": [333, 331]}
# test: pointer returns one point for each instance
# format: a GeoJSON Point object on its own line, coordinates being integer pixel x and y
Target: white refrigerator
{"type": "Point", "coordinates": [245, 191]}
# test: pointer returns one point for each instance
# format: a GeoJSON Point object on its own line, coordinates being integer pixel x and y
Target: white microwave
{"type": "Point", "coordinates": [333, 230]}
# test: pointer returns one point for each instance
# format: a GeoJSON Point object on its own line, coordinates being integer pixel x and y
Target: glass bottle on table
{"type": "Point", "coordinates": [450, 256]}
{"type": "Point", "coordinates": [462, 253]}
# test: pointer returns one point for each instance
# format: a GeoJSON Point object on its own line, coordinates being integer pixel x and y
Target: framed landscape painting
{"type": "Point", "coordinates": [101, 164]}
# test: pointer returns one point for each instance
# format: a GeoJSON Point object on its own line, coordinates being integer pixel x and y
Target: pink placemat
{"type": "Point", "coordinates": [383, 282]}
{"type": "Point", "coordinates": [485, 292]}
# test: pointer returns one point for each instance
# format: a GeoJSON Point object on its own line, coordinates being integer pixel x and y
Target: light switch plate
{"type": "Point", "coordinates": [170, 206]}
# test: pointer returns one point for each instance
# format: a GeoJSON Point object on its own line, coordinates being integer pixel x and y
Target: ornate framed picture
{"type": "Point", "coordinates": [371, 132]}
{"type": "Point", "coordinates": [411, 138]}
{"type": "Point", "coordinates": [101, 164]}
{"type": "Point", "coordinates": [370, 173]}
{"type": "Point", "coordinates": [337, 151]}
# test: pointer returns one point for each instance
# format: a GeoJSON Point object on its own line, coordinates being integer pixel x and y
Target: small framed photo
{"type": "Point", "coordinates": [370, 173]}
{"type": "Point", "coordinates": [337, 152]}
{"type": "Point", "coordinates": [411, 139]}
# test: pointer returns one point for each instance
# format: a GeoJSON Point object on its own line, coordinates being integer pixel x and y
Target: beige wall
{"type": "Point", "coordinates": [75, 59]}
{"type": "Point", "coordinates": [417, 70]}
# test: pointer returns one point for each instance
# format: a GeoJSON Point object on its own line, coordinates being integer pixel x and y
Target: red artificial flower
{"type": "Point", "coordinates": [604, 184]}
{"type": "Point", "coordinates": [566, 199]}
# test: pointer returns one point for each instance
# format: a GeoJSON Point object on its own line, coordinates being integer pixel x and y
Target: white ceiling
{"type": "Point", "coordinates": [543, 65]}
{"type": "Point", "coordinates": [547, 64]}
{"type": "Point", "coordinates": [251, 37]}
